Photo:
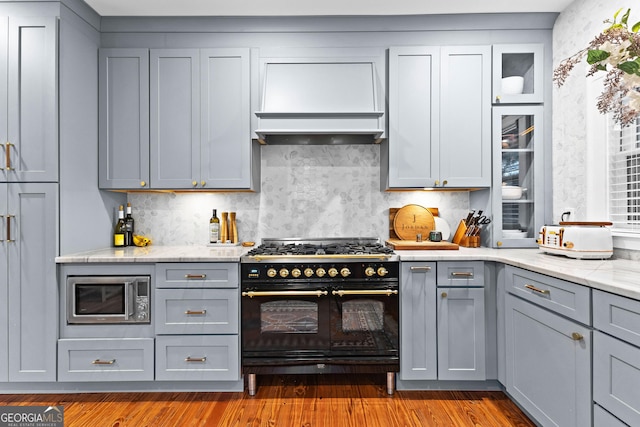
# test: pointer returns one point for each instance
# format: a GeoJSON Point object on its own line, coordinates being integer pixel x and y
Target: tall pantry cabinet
{"type": "Point", "coordinates": [28, 196]}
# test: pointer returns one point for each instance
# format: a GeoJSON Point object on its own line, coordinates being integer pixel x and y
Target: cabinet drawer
{"type": "Point", "coordinates": [617, 315]}
{"type": "Point", "coordinates": [197, 275]}
{"type": "Point", "coordinates": [603, 418]}
{"type": "Point", "coordinates": [109, 359]}
{"type": "Point", "coordinates": [198, 358]}
{"type": "Point", "coordinates": [460, 274]}
{"type": "Point", "coordinates": [616, 375]}
{"type": "Point", "coordinates": [566, 298]}
{"type": "Point", "coordinates": [196, 311]}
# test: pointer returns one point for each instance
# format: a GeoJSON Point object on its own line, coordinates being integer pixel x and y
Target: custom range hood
{"type": "Point", "coordinates": [333, 98]}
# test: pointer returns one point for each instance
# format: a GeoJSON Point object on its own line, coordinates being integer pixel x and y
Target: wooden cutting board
{"type": "Point", "coordinates": [403, 245]}
{"type": "Point", "coordinates": [392, 215]}
{"type": "Point", "coordinates": [411, 220]}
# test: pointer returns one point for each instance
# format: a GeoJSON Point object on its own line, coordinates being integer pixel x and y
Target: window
{"type": "Point", "coordinates": [624, 177]}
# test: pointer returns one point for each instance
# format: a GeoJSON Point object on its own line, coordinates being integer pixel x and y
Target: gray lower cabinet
{"type": "Point", "coordinates": [197, 322]}
{"type": "Point", "coordinates": [461, 334]}
{"type": "Point", "coordinates": [548, 356]}
{"type": "Point", "coordinates": [29, 98]}
{"type": "Point", "coordinates": [28, 304]}
{"type": "Point", "coordinates": [435, 140]}
{"type": "Point", "coordinates": [106, 359]}
{"type": "Point", "coordinates": [616, 356]}
{"type": "Point", "coordinates": [418, 353]}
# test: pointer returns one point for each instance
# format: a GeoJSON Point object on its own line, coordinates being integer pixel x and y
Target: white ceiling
{"type": "Point", "coordinates": [317, 7]}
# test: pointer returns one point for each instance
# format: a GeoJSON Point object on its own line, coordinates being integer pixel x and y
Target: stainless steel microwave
{"type": "Point", "coordinates": [108, 299]}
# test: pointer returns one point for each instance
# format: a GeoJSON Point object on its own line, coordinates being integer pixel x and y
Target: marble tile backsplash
{"type": "Point", "coordinates": [307, 191]}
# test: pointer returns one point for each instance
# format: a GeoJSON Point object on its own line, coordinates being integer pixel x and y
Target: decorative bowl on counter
{"type": "Point", "coordinates": [512, 85]}
{"type": "Point", "coordinates": [512, 192]}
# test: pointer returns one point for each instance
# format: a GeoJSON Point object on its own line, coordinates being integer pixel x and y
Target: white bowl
{"type": "Point", "coordinates": [512, 85]}
{"type": "Point", "coordinates": [512, 192]}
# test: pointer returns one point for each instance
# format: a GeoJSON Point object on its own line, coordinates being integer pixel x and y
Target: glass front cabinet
{"type": "Point", "coordinates": [518, 74]}
{"type": "Point", "coordinates": [518, 210]}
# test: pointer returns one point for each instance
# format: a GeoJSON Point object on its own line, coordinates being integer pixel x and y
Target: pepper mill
{"type": "Point", "coordinates": [233, 229]}
{"type": "Point", "coordinates": [224, 231]}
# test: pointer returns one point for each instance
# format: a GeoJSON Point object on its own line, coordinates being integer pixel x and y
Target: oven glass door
{"type": "Point", "coordinates": [364, 321]}
{"type": "Point", "coordinates": [279, 322]}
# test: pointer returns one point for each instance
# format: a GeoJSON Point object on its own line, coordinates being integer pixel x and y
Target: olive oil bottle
{"type": "Point", "coordinates": [120, 230]}
{"type": "Point", "coordinates": [214, 228]}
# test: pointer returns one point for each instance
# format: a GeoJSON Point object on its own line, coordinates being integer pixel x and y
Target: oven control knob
{"type": "Point", "coordinates": [308, 272]}
{"type": "Point", "coordinates": [272, 272]}
{"type": "Point", "coordinates": [345, 272]}
{"type": "Point", "coordinates": [284, 272]}
{"type": "Point", "coordinates": [382, 271]}
{"type": "Point", "coordinates": [320, 272]}
{"type": "Point", "coordinates": [296, 272]}
{"type": "Point", "coordinates": [333, 272]}
{"type": "Point", "coordinates": [369, 271]}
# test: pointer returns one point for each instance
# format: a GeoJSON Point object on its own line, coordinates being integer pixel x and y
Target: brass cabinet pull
{"type": "Point", "coordinates": [421, 268]}
{"type": "Point", "coordinates": [195, 359]}
{"type": "Point", "coordinates": [437, 183]}
{"type": "Point", "coordinates": [444, 295]}
{"type": "Point", "coordinates": [7, 155]}
{"type": "Point", "coordinates": [203, 183]}
{"type": "Point", "coordinates": [462, 274]}
{"type": "Point", "coordinates": [103, 362]}
{"type": "Point", "coordinates": [195, 312]}
{"type": "Point", "coordinates": [194, 183]}
{"type": "Point", "coordinates": [143, 183]}
{"type": "Point", "coordinates": [9, 228]}
{"type": "Point", "coordinates": [195, 276]}
{"type": "Point", "coordinates": [387, 292]}
{"type": "Point", "coordinates": [576, 336]}
{"type": "Point", "coordinates": [538, 290]}
{"type": "Point", "coordinates": [252, 294]}
{"type": "Point", "coordinates": [445, 182]}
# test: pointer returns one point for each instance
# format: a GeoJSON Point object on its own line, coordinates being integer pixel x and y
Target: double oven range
{"type": "Point", "coordinates": [320, 306]}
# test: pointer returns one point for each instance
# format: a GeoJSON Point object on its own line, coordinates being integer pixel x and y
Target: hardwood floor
{"type": "Point", "coordinates": [288, 401]}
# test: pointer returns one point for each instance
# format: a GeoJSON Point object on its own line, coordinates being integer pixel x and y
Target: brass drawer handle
{"type": "Point", "coordinates": [422, 268]}
{"type": "Point", "coordinates": [462, 274]}
{"type": "Point", "coordinates": [387, 292]}
{"type": "Point", "coordinates": [251, 294]}
{"type": "Point", "coordinates": [195, 312]}
{"type": "Point", "coordinates": [538, 290]}
{"type": "Point", "coordinates": [103, 362]}
{"type": "Point", "coordinates": [195, 359]}
{"type": "Point", "coordinates": [195, 276]}
{"type": "Point", "coordinates": [7, 153]}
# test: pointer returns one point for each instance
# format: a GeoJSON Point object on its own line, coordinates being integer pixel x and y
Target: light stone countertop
{"type": "Point", "coordinates": [613, 275]}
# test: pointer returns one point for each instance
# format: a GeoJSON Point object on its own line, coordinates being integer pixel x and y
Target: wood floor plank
{"type": "Point", "coordinates": [287, 401]}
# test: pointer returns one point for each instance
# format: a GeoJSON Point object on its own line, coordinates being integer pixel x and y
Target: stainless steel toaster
{"type": "Point", "coordinates": [583, 240]}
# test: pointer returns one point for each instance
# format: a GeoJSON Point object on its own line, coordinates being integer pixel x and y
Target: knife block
{"type": "Point", "coordinates": [461, 239]}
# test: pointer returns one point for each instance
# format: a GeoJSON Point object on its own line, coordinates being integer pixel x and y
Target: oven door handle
{"type": "Point", "coordinates": [252, 294]}
{"type": "Point", "coordinates": [387, 292]}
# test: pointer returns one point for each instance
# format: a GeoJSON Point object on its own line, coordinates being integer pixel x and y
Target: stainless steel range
{"type": "Point", "coordinates": [320, 306]}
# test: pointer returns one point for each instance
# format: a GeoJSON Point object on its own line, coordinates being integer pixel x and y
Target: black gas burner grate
{"type": "Point", "coordinates": [320, 249]}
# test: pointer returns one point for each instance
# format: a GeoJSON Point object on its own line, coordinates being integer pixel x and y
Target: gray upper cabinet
{"type": "Point", "coordinates": [29, 99]}
{"type": "Point", "coordinates": [439, 117]}
{"type": "Point", "coordinates": [123, 136]}
{"type": "Point", "coordinates": [518, 74]}
{"type": "Point", "coordinates": [230, 160]}
{"type": "Point", "coordinates": [175, 118]}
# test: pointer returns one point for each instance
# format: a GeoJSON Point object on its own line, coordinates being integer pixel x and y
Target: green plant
{"type": "Point", "coordinates": [616, 52]}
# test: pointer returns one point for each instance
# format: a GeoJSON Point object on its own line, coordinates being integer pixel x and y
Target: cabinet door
{"type": "Point", "coordinates": [525, 63]}
{"type": "Point", "coordinates": [418, 321]}
{"type": "Point", "coordinates": [548, 364]}
{"type": "Point", "coordinates": [31, 148]}
{"type": "Point", "coordinates": [461, 334]}
{"type": "Point", "coordinates": [616, 373]}
{"type": "Point", "coordinates": [226, 118]}
{"type": "Point", "coordinates": [465, 116]}
{"type": "Point", "coordinates": [4, 289]}
{"type": "Point", "coordinates": [175, 118]}
{"type": "Point", "coordinates": [123, 124]}
{"type": "Point", "coordinates": [414, 97]}
{"type": "Point", "coordinates": [518, 148]}
{"type": "Point", "coordinates": [31, 241]}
